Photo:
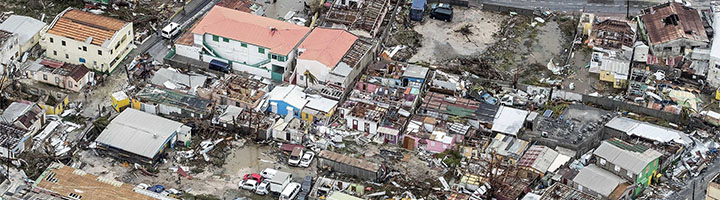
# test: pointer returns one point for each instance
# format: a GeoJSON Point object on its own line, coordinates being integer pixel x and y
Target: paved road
{"type": "Point", "coordinates": [700, 184]}
{"type": "Point", "coordinates": [158, 46]}
{"type": "Point", "coordinates": [593, 6]}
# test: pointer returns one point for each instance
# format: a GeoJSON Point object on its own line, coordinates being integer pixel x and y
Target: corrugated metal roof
{"type": "Point", "coordinates": [671, 21]}
{"type": "Point", "coordinates": [538, 157]}
{"type": "Point", "coordinates": [647, 130]}
{"type": "Point", "coordinates": [626, 156]}
{"type": "Point", "coordinates": [26, 27]}
{"type": "Point", "coordinates": [138, 132]}
{"type": "Point", "coordinates": [80, 26]}
{"type": "Point", "coordinates": [598, 180]}
{"type": "Point", "coordinates": [509, 120]}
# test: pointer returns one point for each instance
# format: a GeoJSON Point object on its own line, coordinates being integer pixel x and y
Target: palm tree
{"type": "Point", "coordinates": [309, 77]}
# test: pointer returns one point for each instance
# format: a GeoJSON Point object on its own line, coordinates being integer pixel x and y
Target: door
{"type": "Point", "coordinates": [355, 124]}
{"type": "Point", "coordinates": [409, 143]}
{"type": "Point", "coordinates": [277, 72]}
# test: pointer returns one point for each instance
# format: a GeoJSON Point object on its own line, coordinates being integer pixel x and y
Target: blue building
{"type": "Point", "coordinates": [289, 99]}
{"type": "Point", "coordinates": [414, 76]}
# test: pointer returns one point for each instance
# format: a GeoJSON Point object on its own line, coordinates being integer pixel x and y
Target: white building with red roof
{"type": "Point", "coordinates": [245, 42]}
{"type": "Point", "coordinates": [321, 54]}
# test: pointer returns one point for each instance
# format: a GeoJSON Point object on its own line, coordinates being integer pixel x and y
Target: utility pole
{"type": "Point", "coordinates": [627, 10]}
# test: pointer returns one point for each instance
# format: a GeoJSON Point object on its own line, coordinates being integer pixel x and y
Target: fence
{"type": "Point", "coordinates": [464, 3]}
{"type": "Point", "coordinates": [502, 8]}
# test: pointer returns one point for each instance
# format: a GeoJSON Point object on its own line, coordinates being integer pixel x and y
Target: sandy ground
{"type": "Point", "coordinates": [441, 42]}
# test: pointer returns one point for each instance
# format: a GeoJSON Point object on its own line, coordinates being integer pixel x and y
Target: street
{"type": "Point", "coordinates": [592, 6]}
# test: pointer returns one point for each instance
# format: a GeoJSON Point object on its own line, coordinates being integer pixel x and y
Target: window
{"type": "Point", "coordinates": [70, 84]}
{"type": "Point", "coordinates": [281, 58]}
{"type": "Point", "coordinates": [111, 51]}
{"type": "Point", "coordinates": [226, 40]}
{"type": "Point", "coordinates": [243, 44]}
{"type": "Point", "coordinates": [54, 53]}
{"type": "Point", "coordinates": [274, 57]}
{"type": "Point", "coordinates": [261, 50]}
{"type": "Point", "coordinates": [57, 80]}
{"type": "Point", "coordinates": [74, 196]}
{"type": "Point", "coordinates": [100, 52]}
{"type": "Point", "coordinates": [94, 63]}
{"type": "Point", "coordinates": [84, 48]}
{"type": "Point", "coordinates": [216, 38]}
{"type": "Point", "coordinates": [617, 168]}
{"type": "Point", "coordinates": [63, 42]}
{"type": "Point", "coordinates": [45, 77]}
{"type": "Point", "coordinates": [51, 40]}
{"type": "Point", "coordinates": [67, 56]}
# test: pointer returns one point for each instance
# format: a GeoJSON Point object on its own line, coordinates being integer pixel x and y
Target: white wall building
{"type": "Point", "coordinates": [98, 42]}
{"type": "Point", "coordinates": [27, 28]}
{"type": "Point", "coordinates": [321, 55]}
{"type": "Point", "coordinates": [9, 50]}
{"type": "Point", "coordinates": [246, 42]}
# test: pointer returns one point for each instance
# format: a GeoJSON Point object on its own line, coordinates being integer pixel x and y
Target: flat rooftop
{"type": "Point", "coordinates": [576, 124]}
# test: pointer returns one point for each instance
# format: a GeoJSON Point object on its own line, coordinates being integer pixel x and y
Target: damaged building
{"type": "Point", "coordinates": [73, 77]}
{"type": "Point", "coordinates": [170, 103]}
{"type": "Point", "coordinates": [672, 28]}
{"type": "Point", "coordinates": [140, 137]}
{"type": "Point", "coordinates": [610, 33]}
{"type": "Point", "coordinates": [578, 129]}
{"type": "Point", "coordinates": [13, 140]}
{"type": "Point", "coordinates": [365, 15]}
{"type": "Point", "coordinates": [351, 166]}
{"type": "Point", "coordinates": [241, 90]}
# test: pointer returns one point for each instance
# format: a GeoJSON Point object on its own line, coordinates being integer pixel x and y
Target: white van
{"type": "Point", "coordinates": [170, 30]}
{"type": "Point", "coordinates": [290, 192]}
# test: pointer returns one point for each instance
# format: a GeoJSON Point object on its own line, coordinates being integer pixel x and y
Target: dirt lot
{"type": "Point", "coordinates": [443, 41]}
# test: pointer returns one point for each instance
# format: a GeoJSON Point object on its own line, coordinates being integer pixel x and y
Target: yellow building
{"type": "Point", "coordinates": [610, 70]}
{"type": "Point", "coordinates": [54, 104]}
{"type": "Point", "coordinates": [318, 108]}
{"type": "Point", "coordinates": [119, 100]}
{"type": "Point", "coordinates": [98, 42]}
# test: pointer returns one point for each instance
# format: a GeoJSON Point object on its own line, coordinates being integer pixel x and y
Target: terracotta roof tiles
{"type": "Point", "coordinates": [80, 25]}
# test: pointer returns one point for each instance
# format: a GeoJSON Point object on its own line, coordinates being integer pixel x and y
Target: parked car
{"type": "Point", "coordinates": [249, 184]}
{"type": "Point", "coordinates": [256, 177]}
{"type": "Point", "coordinates": [262, 188]}
{"type": "Point", "coordinates": [219, 65]}
{"type": "Point", "coordinates": [279, 181]}
{"type": "Point", "coordinates": [295, 156]}
{"type": "Point", "coordinates": [305, 188]}
{"type": "Point", "coordinates": [157, 188]}
{"type": "Point", "coordinates": [290, 192]}
{"type": "Point", "coordinates": [443, 14]}
{"type": "Point", "coordinates": [169, 31]}
{"type": "Point", "coordinates": [307, 159]}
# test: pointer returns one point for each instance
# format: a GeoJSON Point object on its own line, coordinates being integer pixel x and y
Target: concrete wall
{"type": "Point", "coordinates": [348, 169]}
{"type": "Point", "coordinates": [317, 69]}
{"type": "Point", "coordinates": [65, 82]}
{"type": "Point", "coordinates": [9, 51]}
{"type": "Point", "coordinates": [464, 3]}
{"type": "Point", "coordinates": [72, 52]}
{"type": "Point", "coordinates": [675, 46]}
{"type": "Point", "coordinates": [501, 8]}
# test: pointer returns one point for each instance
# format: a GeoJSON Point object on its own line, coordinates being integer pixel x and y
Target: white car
{"type": "Point", "coordinates": [290, 192]}
{"type": "Point", "coordinates": [249, 184]}
{"type": "Point", "coordinates": [262, 189]}
{"type": "Point", "coordinates": [307, 159]}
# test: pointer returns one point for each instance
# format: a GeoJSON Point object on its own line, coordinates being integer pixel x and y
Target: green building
{"type": "Point", "coordinates": [634, 162]}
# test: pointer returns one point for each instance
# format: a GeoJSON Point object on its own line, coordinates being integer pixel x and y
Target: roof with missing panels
{"type": "Point", "coordinates": [327, 46]}
{"type": "Point", "coordinates": [671, 21]}
{"type": "Point", "coordinates": [281, 37]}
{"type": "Point", "coordinates": [65, 180]}
{"type": "Point", "coordinates": [79, 25]}
{"type": "Point", "coordinates": [26, 27]}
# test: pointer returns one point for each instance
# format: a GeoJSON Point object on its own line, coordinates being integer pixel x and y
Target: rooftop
{"type": "Point", "coordinates": [538, 157]}
{"type": "Point", "coordinates": [171, 79]}
{"type": "Point", "coordinates": [26, 27]}
{"type": "Point", "coordinates": [509, 120]}
{"type": "Point", "coordinates": [67, 181]}
{"type": "Point", "coordinates": [575, 125]}
{"type": "Point", "coordinates": [507, 146]}
{"type": "Point", "coordinates": [281, 37]}
{"type": "Point", "coordinates": [321, 104]}
{"type": "Point", "coordinates": [648, 131]}
{"type": "Point", "coordinates": [628, 156]}
{"type": "Point", "coordinates": [74, 71]}
{"type": "Point", "coordinates": [290, 94]}
{"type": "Point", "coordinates": [598, 180]}
{"type": "Point", "coordinates": [83, 26]}
{"type": "Point", "coordinates": [437, 103]}
{"type": "Point", "coordinates": [14, 111]}
{"type": "Point", "coordinates": [169, 97]}
{"type": "Point", "coordinates": [327, 46]}
{"type": "Point", "coordinates": [4, 36]}
{"type": "Point", "coordinates": [559, 191]}
{"type": "Point", "coordinates": [139, 132]}
{"type": "Point", "coordinates": [362, 164]}
{"type": "Point", "coordinates": [11, 136]}
{"type": "Point", "coordinates": [671, 21]}
{"type": "Point", "coordinates": [368, 111]}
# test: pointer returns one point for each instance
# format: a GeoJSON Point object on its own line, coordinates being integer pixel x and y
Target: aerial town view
{"type": "Point", "coordinates": [359, 99]}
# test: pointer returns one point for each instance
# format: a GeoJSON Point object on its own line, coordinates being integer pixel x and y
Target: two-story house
{"type": "Point", "coordinates": [633, 162]}
{"type": "Point", "coordinates": [245, 42]}
{"type": "Point", "coordinates": [98, 42]}
{"type": "Point", "coordinates": [9, 49]}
